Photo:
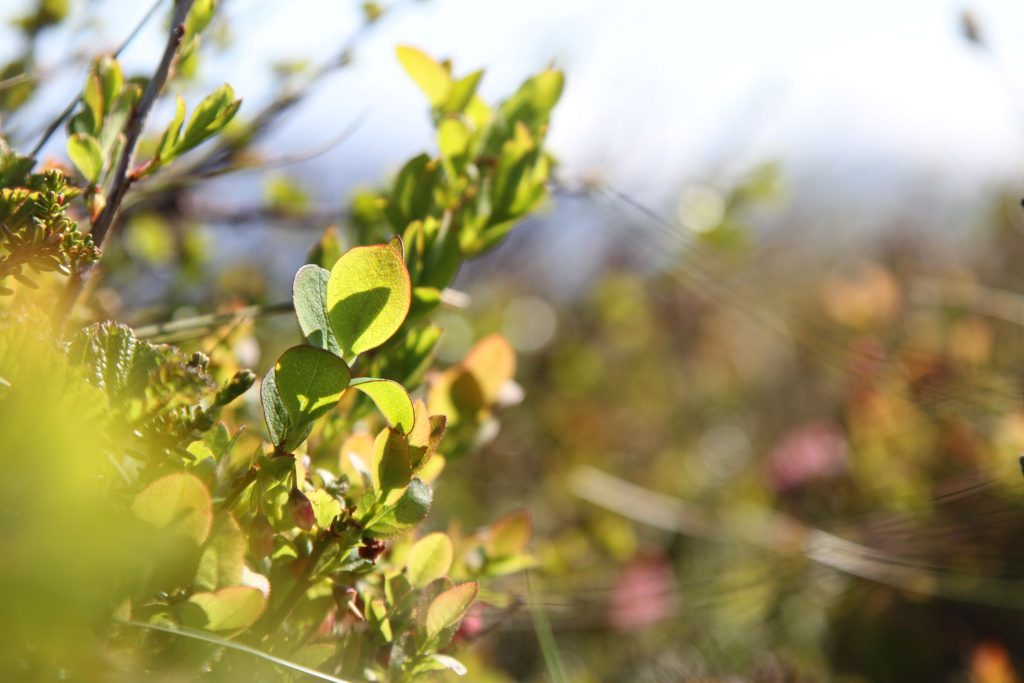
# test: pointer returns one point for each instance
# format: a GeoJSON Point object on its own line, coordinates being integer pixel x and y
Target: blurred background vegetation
{"type": "Point", "coordinates": [769, 330]}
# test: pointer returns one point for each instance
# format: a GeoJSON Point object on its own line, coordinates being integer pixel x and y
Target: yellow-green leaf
{"type": "Point", "coordinates": [432, 78]}
{"type": "Point", "coordinates": [178, 504]}
{"type": "Point", "coordinates": [391, 399]}
{"type": "Point", "coordinates": [309, 381]}
{"type": "Point", "coordinates": [368, 297]}
{"type": "Point", "coordinates": [229, 609]}
{"type": "Point", "coordinates": [448, 608]}
{"type": "Point", "coordinates": [85, 153]}
{"type": "Point", "coordinates": [223, 558]}
{"type": "Point", "coordinates": [429, 558]}
{"type": "Point", "coordinates": [391, 468]}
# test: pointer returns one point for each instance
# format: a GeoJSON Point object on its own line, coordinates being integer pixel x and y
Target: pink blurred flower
{"type": "Point", "coordinates": [645, 593]}
{"type": "Point", "coordinates": [816, 450]}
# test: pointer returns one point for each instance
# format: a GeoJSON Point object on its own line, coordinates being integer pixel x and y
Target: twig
{"type": "Point", "coordinates": [132, 132]}
{"type": "Point", "coordinates": [66, 112]}
{"type": "Point", "coordinates": [209, 320]}
{"type": "Point", "coordinates": [14, 81]}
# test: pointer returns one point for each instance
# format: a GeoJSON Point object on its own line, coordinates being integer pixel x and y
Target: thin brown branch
{"type": "Point", "coordinates": [132, 131]}
{"type": "Point", "coordinates": [203, 323]}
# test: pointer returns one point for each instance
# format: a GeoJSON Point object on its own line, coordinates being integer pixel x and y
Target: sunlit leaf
{"type": "Point", "coordinates": [432, 78]}
{"type": "Point", "coordinates": [429, 558]}
{"type": "Point", "coordinates": [309, 381]}
{"type": "Point", "coordinates": [448, 608]}
{"type": "Point", "coordinates": [509, 535]}
{"type": "Point", "coordinates": [85, 153]}
{"type": "Point", "coordinates": [409, 511]}
{"type": "Point", "coordinates": [368, 297]}
{"type": "Point", "coordinates": [391, 399]}
{"type": "Point", "coordinates": [178, 504]}
{"type": "Point", "coordinates": [223, 558]}
{"type": "Point", "coordinates": [325, 507]}
{"type": "Point", "coordinates": [229, 609]}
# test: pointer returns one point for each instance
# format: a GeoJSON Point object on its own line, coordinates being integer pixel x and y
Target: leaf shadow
{"type": "Point", "coordinates": [357, 312]}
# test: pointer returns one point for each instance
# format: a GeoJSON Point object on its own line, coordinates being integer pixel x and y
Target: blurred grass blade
{"type": "Point", "coordinates": [545, 636]}
{"type": "Point", "coordinates": [213, 640]}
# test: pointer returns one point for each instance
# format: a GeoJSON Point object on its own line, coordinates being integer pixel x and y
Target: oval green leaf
{"type": "Point", "coordinates": [392, 401]}
{"type": "Point", "coordinates": [429, 558]}
{"type": "Point", "coordinates": [223, 558]}
{"type": "Point", "coordinates": [368, 297]}
{"type": "Point", "coordinates": [309, 293]}
{"type": "Point", "coordinates": [309, 381]}
{"type": "Point", "coordinates": [432, 77]}
{"type": "Point", "coordinates": [274, 412]}
{"type": "Point", "coordinates": [229, 609]}
{"type": "Point", "coordinates": [85, 153]}
{"type": "Point", "coordinates": [178, 504]}
{"type": "Point", "coordinates": [448, 608]}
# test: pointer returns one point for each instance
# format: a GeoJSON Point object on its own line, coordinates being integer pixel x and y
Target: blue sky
{"type": "Point", "coordinates": [865, 96]}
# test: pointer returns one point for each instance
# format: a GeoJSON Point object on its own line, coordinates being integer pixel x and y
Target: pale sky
{"type": "Point", "coordinates": [866, 95]}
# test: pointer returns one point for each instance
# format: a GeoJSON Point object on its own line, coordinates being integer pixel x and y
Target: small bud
{"type": "Point", "coordinates": [199, 360]}
{"type": "Point", "coordinates": [302, 510]}
{"type": "Point", "coordinates": [371, 548]}
{"type": "Point", "coordinates": [238, 385]}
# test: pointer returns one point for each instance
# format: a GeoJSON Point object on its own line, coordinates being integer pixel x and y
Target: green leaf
{"type": "Point", "coordinates": [509, 535]}
{"type": "Point", "coordinates": [111, 78]}
{"type": "Point", "coordinates": [274, 412]}
{"type": "Point", "coordinates": [453, 138]}
{"type": "Point", "coordinates": [425, 436]}
{"type": "Point", "coordinates": [424, 300]}
{"type": "Point", "coordinates": [448, 609]}
{"type": "Point", "coordinates": [116, 119]}
{"type": "Point", "coordinates": [536, 97]}
{"type": "Point", "coordinates": [85, 153]}
{"type": "Point", "coordinates": [172, 134]}
{"type": "Point", "coordinates": [325, 507]}
{"type": "Point", "coordinates": [391, 468]}
{"type": "Point", "coordinates": [199, 16]}
{"type": "Point", "coordinates": [429, 558]}
{"type": "Point", "coordinates": [208, 118]}
{"type": "Point", "coordinates": [409, 511]}
{"type": "Point", "coordinates": [92, 98]}
{"type": "Point", "coordinates": [309, 294]}
{"type": "Point", "coordinates": [432, 78]}
{"type": "Point", "coordinates": [392, 400]}
{"type": "Point", "coordinates": [177, 504]}
{"type": "Point", "coordinates": [223, 558]}
{"type": "Point", "coordinates": [309, 381]}
{"type": "Point", "coordinates": [412, 196]}
{"type": "Point", "coordinates": [229, 609]}
{"type": "Point", "coordinates": [461, 93]}
{"type": "Point", "coordinates": [368, 297]}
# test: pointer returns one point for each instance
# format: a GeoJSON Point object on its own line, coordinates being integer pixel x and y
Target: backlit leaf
{"type": "Point", "coordinates": [85, 153]}
{"type": "Point", "coordinates": [229, 609]}
{"type": "Point", "coordinates": [429, 558]}
{"type": "Point", "coordinates": [309, 381]}
{"type": "Point", "coordinates": [391, 399]}
{"type": "Point", "coordinates": [432, 78]}
{"type": "Point", "coordinates": [448, 608]}
{"type": "Point", "coordinates": [178, 504]}
{"type": "Point", "coordinates": [368, 297]}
